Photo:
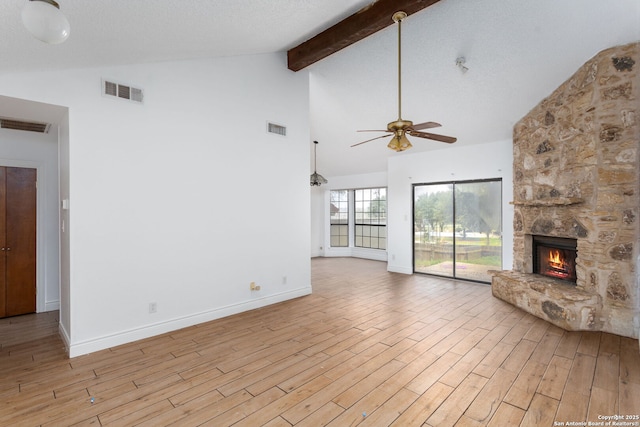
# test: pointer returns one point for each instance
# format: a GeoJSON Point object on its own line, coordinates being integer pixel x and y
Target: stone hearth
{"type": "Point", "coordinates": [576, 175]}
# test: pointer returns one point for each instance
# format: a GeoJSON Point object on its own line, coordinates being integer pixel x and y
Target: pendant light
{"type": "Point", "coordinates": [45, 21]}
{"type": "Point", "coordinates": [316, 178]}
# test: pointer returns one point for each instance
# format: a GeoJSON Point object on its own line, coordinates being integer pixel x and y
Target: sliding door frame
{"type": "Point", "coordinates": [454, 216]}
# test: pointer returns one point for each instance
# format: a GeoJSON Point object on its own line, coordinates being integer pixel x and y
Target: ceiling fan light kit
{"type": "Point", "coordinates": [400, 128]}
{"type": "Point", "coordinates": [400, 143]}
{"type": "Point", "coordinates": [44, 20]}
{"type": "Point", "coordinates": [316, 179]}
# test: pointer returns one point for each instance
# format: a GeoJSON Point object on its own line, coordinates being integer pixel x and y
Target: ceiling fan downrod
{"type": "Point", "coordinates": [398, 17]}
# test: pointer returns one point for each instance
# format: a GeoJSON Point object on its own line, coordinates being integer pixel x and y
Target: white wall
{"type": "Point", "coordinates": [40, 151]}
{"type": "Point", "coordinates": [483, 161]}
{"type": "Point", "coordinates": [65, 241]}
{"type": "Point", "coordinates": [318, 217]}
{"type": "Point", "coordinates": [184, 200]}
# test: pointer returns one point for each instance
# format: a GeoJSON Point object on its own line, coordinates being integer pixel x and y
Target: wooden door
{"type": "Point", "coordinates": [18, 241]}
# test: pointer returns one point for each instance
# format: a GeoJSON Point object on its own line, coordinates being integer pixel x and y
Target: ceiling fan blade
{"type": "Point", "coordinates": [373, 139]}
{"type": "Point", "coordinates": [373, 130]}
{"type": "Point", "coordinates": [426, 125]}
{"type": "Point", "coordinates": [427, 135]}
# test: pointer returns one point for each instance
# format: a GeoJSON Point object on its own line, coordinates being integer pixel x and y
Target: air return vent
{"type": "Point", "coordinates": [15, 124]}
{"type": "Point", "coordinates": [277, 129]}
{"type": "Point", "coordinates": [122, 91]}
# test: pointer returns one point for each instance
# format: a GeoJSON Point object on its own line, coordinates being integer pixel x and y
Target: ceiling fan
{"type": "Point", "coordinates": [400, 128]}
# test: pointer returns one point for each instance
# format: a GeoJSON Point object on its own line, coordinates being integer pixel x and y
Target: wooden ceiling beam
{"type": "Point", "coordinates": [356, 27]}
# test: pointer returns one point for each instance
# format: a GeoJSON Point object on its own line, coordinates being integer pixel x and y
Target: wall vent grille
{"type": "Point", "coordinates": [15, 124]}
{"type": "Point", "coordinates": [277, 129]}
{"type": "Point", "coordinates": [122, 91]}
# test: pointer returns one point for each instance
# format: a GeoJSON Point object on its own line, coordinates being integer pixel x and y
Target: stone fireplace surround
{"type": "Point", "coordinates": [576, 175]}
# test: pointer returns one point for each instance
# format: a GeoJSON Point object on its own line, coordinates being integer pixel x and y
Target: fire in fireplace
{"type": "Point", "coordinates": [555, 257]}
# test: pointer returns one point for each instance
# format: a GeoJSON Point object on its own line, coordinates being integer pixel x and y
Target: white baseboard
{"type": "Point", "coordinates": [146, 331]}
{"type": "Point", "coordinates": [355, 252]}
{"type": "Point", "coordinates": [52, 305]}
{"type": "Point", "coordinates": [399, 269]}
{"type": "Point", "coordinates": [64, 335]}
{"type": "Point", "coordinates": [374, 254]}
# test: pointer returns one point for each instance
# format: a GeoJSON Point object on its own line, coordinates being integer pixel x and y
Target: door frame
{"type": "Point", "coordinates": [41, 248]}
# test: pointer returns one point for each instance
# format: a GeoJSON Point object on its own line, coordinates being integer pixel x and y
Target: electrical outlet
{"type": "Point", "coordinates": [284, 280]}
{"type": "Point", "coordinates": [254, 287]}
{"type": "Point", "coordinates": [153, 307]}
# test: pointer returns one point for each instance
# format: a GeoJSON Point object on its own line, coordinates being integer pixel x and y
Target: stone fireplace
{"type": "Point", "coordinates": [576, 179]}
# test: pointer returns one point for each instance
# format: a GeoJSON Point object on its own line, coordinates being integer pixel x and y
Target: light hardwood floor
{"type": "Point", "coordinates": [367, 348]}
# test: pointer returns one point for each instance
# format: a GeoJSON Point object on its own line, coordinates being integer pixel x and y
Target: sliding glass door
{"type": "Point", "coordinates": [433, 222]}
{"type": "Point", "coordinates": [458, 229]}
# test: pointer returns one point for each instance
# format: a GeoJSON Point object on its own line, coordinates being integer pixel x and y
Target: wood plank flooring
{"type": "Point", "coordinates": [367, 348]}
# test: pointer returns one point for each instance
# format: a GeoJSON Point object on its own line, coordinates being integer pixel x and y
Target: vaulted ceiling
{"type": "Point", "coordinates": [517, 52]}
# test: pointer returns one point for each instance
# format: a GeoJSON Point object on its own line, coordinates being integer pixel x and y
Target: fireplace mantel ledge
{"type": "Point", "coordinates": [558, 201]}
{"type": "Point", "coordinates": [546, 285]}
{"type": "Point", "coordinates": [566, 306]}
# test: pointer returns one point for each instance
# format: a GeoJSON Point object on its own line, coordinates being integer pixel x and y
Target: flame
{"type": "Point", "coordinates": [555, 259]}
{"type": "Point", "coordinates": [557, 264]}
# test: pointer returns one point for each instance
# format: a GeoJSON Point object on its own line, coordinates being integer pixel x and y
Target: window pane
{"type": "Point", "coordinates": [370, 216]}
{"type": "Point", "coordinates": [383, 243]}
{"type": "Point", "coordinates": [433, 228]}
{"type": "Point", "coordinates": [339, 218]}
{"type": "Point", "coordinates": [478, 243]}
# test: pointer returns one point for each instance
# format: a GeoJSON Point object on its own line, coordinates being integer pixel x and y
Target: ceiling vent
{"type": "Point", "coordinates": [277, 129]}
{"type": "Point", "coordinates": [15, 124]}
{"type": "Point", "coordinates": [122, 91]}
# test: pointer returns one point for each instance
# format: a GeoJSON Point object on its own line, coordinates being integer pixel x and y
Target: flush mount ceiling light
{"type": "Point", "coordinates": [316, 178]}
{"type": "Point", "coordinates": [45, 21]}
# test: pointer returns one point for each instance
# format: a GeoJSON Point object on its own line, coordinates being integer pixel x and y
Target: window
{"type": "Point", "coordinates": [458, 229]}
{"type": "Point", "coordinates": [339, 218]}
{"type": "Point", "coordinates": [371, 218]}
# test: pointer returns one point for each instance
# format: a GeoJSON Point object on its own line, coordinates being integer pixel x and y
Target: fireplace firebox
{"type": "Point", "coordinates": [555, 257]}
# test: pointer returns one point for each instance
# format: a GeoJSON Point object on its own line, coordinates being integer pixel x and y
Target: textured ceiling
{"type": "Point", "coordinates": [111, 32]}
{"type": "Point", "coordinates": [517, 52]}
